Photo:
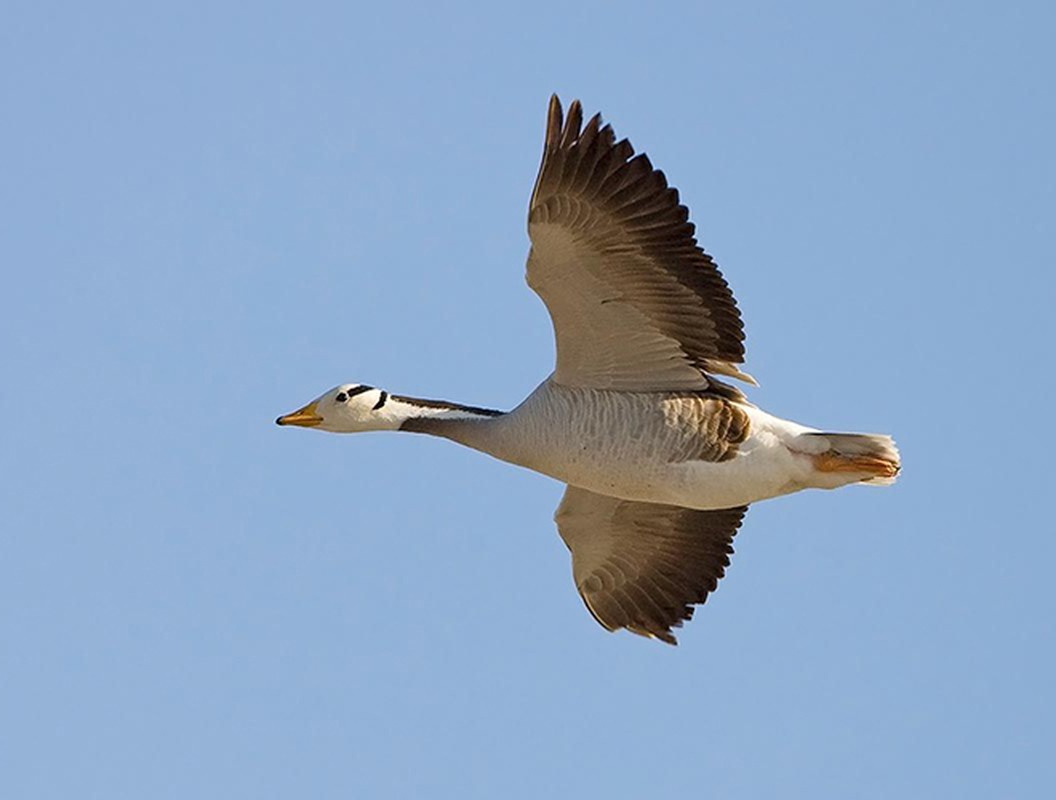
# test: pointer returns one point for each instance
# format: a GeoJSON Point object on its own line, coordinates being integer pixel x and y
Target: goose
{"type": "Point", "coordinates": [661, 456]}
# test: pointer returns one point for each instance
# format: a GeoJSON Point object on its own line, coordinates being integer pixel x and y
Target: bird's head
{"type": "Point", "coordinates": [348, 408]}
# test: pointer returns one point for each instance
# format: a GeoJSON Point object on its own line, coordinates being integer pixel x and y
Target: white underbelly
{"type": "Point", "coordinates": [746, 478]}
{"type": "Point", "coordinates": [753, 474]}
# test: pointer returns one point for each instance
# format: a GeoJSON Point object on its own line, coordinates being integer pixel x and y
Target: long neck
{"type": "Point", "coordinates": [468, 425]}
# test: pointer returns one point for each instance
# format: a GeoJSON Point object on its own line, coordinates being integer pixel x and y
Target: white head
{"type": "Point", "coordinates": [348, 408]}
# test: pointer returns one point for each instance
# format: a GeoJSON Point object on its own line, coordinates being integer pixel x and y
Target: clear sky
{"type": "Point", "coordinates": [210, 213]}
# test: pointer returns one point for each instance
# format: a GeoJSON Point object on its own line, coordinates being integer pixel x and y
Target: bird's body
{"type": "Point", "coordinates": [661, 458]}
{"type": "Point", "coordinates": [694, 449]}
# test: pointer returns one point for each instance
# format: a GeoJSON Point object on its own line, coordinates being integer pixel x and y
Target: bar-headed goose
{"type": "Point", "coordinates": [661, 457]}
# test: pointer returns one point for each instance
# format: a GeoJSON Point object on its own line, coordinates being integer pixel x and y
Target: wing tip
{"type": "Point", "coordinates": [564, 128]}
{"type": "Point", "coordinates": [555, 119]}
{"type": "Point", "coordinates": [573, 123]}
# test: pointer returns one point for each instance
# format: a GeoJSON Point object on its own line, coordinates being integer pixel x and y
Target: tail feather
{"type": "Point", "coordinates": [874, 456]}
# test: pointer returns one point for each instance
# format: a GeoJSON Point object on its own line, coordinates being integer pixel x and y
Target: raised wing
{"type": "Point", "coordinates": [635, 303]}
{"type": "Point", "coordinates": [642, 566]}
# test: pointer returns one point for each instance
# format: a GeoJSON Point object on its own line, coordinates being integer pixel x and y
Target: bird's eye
{"type": "Point", "coordinates": [341, 397]}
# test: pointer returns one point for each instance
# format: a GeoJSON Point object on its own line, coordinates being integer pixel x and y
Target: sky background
{"type": "Point", "coordinates": [211, 213]}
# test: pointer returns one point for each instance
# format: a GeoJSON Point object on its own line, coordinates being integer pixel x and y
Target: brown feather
{"type": "Point", "coordinates": [643, 566]}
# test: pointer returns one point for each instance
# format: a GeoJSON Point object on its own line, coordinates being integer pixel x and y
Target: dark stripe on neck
{"type": "Point", "coordinates": [381, 400]}
{"type": "Point", "coordinates": [447, 406]}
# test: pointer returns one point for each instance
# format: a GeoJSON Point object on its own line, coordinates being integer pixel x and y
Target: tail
{"type": "Point", "coordinates": [843, 456]}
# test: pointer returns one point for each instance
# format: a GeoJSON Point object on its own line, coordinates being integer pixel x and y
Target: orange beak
{"type": "Point", "coordinates": [304, 417]}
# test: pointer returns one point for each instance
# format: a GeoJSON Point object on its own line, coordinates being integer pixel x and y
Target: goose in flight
{"type": "Point", "coordinates": [660, 454]}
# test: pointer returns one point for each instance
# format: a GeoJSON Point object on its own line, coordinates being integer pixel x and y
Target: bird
{"type": "Point", "coordinates": [660, 452]}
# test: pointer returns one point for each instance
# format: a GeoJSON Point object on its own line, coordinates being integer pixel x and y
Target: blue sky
{"type": "Point", "coordinates": [212, 213]}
